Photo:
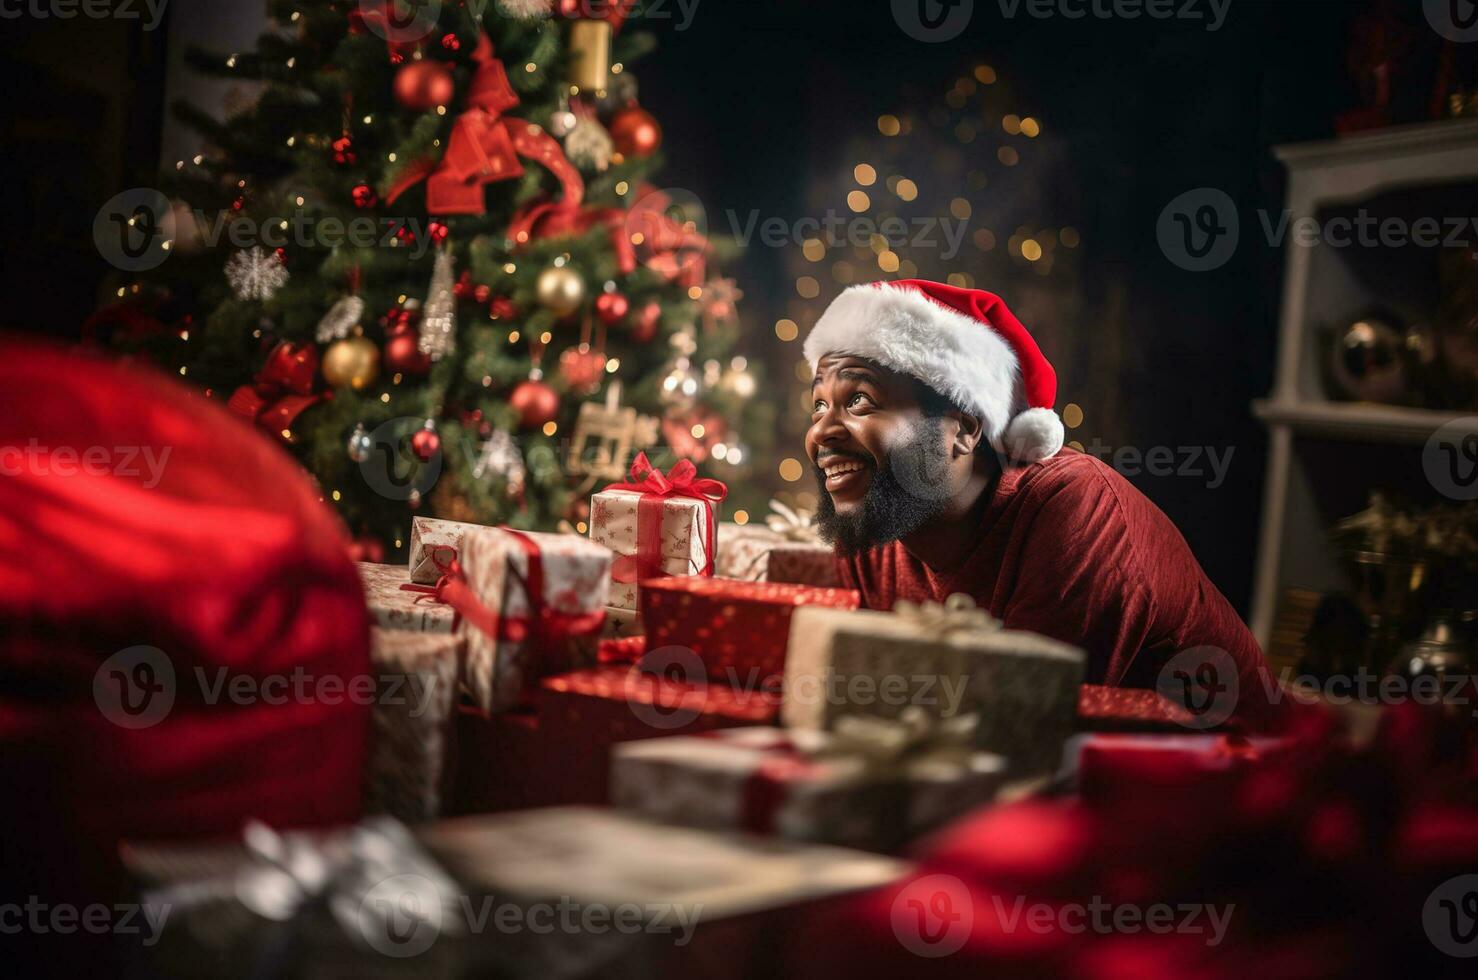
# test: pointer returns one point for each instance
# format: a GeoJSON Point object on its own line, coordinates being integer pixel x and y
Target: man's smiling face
{"type": "Point", "coordinates": [870, 428]}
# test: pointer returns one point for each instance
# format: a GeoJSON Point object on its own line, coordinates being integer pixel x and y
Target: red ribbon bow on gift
{"type": "Point", "coordinates": [484, 148]}
{"type": "Point", "coordinates": [282, 390]}
{"type": "Point", "coordinates": [655, 487]}
{"type": "Point", "coordinates": [543, 628]}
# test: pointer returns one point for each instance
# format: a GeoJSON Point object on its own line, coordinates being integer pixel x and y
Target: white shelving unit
{"type": "Point", "coordinates": [1321, 285]}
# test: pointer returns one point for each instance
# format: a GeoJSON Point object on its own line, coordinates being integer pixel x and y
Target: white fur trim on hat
{"type": "Point", "coordinates": [959, 357]}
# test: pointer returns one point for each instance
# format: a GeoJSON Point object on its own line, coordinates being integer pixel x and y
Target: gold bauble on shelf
{"type": "Point", "coordinates": [561, 290]}
{"type": "Point", "coordinates": [353, 361]}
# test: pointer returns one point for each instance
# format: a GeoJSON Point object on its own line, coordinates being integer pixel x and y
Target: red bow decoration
{"type": "Point", "coordinates": [282, 390]}
{"type": "Point", "coordinates": [676, 252]}
{"type": "Point", "coordinates": [557, 219]}
{"type": "Point", "coordinates": [484, 148]}
{"type": "Point", "coordinates": [615, 11]}
{"type": "Point", "coordinates": [655, 486]}
{"type": "Point", "coordinates": [544, 628]}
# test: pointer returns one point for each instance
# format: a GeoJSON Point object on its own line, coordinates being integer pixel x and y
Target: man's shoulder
{"type": "Point", "coordinates": [1069, 478]}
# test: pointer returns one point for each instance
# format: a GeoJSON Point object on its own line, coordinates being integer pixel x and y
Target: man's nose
{"type": "Point", "coordinates": [827, 428]}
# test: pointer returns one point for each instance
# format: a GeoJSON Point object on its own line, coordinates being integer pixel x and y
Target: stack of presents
{"type": "Point", "coordinates": [690, 723]}
{"type": "Point", "coordinates": [699, 673]}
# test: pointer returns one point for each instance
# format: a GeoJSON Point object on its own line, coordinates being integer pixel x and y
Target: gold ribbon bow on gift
{"type": "Point", "coordinates": [957, 614]}
{"type": "Point", "coordinates": [914, 742]}
{"type": "Point", "coordinates": [794, 525]}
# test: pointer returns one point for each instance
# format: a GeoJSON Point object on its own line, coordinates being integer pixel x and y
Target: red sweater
{"type": "Point", "coordinates": [1068, 548]}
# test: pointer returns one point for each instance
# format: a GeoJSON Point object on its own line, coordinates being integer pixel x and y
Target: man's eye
{"type": "Point", "coordinates": [857, 399]}
{"type": "Point", "coordinates": [819, 406]}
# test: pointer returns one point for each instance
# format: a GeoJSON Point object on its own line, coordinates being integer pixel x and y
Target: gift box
{"type": "Point", "coordinates": [531, 604]}
{"type": "Point", "coordinates": [559, 753]}
{"type": "Point", "coordinates": [876, 791]}
{"type": "Point", "coordinates": [621, 623]}
{"type": "Point", "coordinates": [757, 553]}
{"type": "Point", "coordinates": [435, 544]}
{"type": "Point", "coordinates": [1127, 709]}
{"type": "Point", "coordinates": [394, 607]}
{"type": "Point", "coordinates": [412, 729]}
{"type": "Point", "coordinates": [737, 629]}
{"type": "Point", "coordinates": [949, 660]}
{"type": "Point", "coordinates": [658, 524]}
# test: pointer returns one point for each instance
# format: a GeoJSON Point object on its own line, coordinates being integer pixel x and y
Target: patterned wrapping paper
{"type": "Point", "coordinates": [392, 607]}
{"type": "Point", "coordinates": [411, 733]}
{"type": "Point", "coordinates": [760, 780]}
{"type": "Point", "coordinates": [575, 572]}
{"type": "Point", "coordinates": [1124, 709]}
{"type": "Point", "coordinates": [562, 754]}
{"type": "Point", "coordinates": [755, 553]}
{"type": "Point", "coordinates": [621, 623]}
{"type": "Point", "coordinates": [432, 539]}
{"type": "Point", "coordinates": [738, 629]}
{"type": "Point", "coordinates": [613, 524]}
{"type": "Point", "coordinates": [1023, 686]}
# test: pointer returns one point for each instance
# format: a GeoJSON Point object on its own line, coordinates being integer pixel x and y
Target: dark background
{"type": "Point", "coordinates": [755, 97]}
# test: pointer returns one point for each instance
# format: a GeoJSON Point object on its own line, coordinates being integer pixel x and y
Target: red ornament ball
{"type": "Point", "coordinates": [635, 132]}
{"type": "Point", "coordinates": [611, 308]}
{"type": "Point", "coordinates": [425, 444]}
{"type": "Point", "coordinates": [344, 151]}
{"type": "Point", "coordinates": [451, 42]}
{"type": "Point", "coordinates": [582, 367]}
{"type": "Point", "coordinates": [423, 85]}
{"type": "Point", "coordinates": [364, 196]}
{"type": "Point", "coordinates": [437, 231]}
{"type": "Point", "coordinates": [535, 402]}
{"type": "Point", "coordinates": [644, 324]}
{"type": "Point", "coordinates": [403, 354]}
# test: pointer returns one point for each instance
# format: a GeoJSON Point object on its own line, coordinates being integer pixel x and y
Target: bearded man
{"type": "Point", "coordinates": [942, 470]}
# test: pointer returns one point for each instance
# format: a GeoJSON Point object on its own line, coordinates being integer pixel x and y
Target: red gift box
{"type": "Point", "coordinates": [560, 754]}
{"type": "Point", "coordinates": [739, 630]}
{"type": "Point", "coordinates": [1127, 709]}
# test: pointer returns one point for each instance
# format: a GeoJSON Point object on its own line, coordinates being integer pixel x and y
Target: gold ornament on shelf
{"type": "Point", "coordinates": [353, 361]}
{"type": "Point", "coordinates": [615, 431]}
{"type": "Point", "coordinates": [560, 289]}
{"type": "Point", "coordinates": [590, 55]}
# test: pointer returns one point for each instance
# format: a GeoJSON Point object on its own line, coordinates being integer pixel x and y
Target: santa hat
{"type": "Point", "coordinates": [963, 343]}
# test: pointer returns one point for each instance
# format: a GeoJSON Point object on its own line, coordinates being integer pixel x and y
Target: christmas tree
{"type": "Point", "coordinates": [428, 258]}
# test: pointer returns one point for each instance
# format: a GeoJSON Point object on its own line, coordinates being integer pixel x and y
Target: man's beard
{"type": "Point", "coordinates": [889, 510]}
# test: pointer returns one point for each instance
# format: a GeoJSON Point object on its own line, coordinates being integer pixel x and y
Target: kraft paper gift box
{"type": "Point", "coordinates": [533, 605]}
{"type": "Point", "coordinates": [395, 608]}
{"type": "Point", "coordinates": [802, 785]}
{"type": "Point", "coordinates": [1023, 687]}
{"type": "Point", "coordinates": [737, 629]}
{"type": "Point", "coordinates": [757, 553]}
{"type": "Point", "coordinates": [411, 722]}
{"type": "Point", "coordinates": [435, 544]}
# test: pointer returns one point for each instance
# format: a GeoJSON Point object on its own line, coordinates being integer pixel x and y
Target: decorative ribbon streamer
{"type": "Point", "coordinates": [558, 219]}
{"type": "Point", "coordinates": [957, 614]}
{"type": "Point", "coordinates": [282, 390]}
{"type": "Point", "coordinates": [485, 148]}
{"type": "Point", "coordinates": [655, 487]}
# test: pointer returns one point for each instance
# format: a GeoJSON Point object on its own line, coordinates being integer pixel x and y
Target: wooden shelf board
{"type": "Point", "coordinates": [1360, 421]}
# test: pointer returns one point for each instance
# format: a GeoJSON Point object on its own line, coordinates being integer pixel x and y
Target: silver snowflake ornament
{"type": "Point", "coordinates": [255, 273]}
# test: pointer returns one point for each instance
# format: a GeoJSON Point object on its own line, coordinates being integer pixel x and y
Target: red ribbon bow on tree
{"type": "Point", "coordinates": [484, 148]}
{"type": "Point", "coordinates": [655, 487]}
{"type": "Point", "coordinates": [282, 390]}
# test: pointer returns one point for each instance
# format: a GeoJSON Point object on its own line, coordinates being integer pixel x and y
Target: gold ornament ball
{"type": "Point", "coordinates": [353, 361]}
{"type": "Point", "coordinates": [560, 290]}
